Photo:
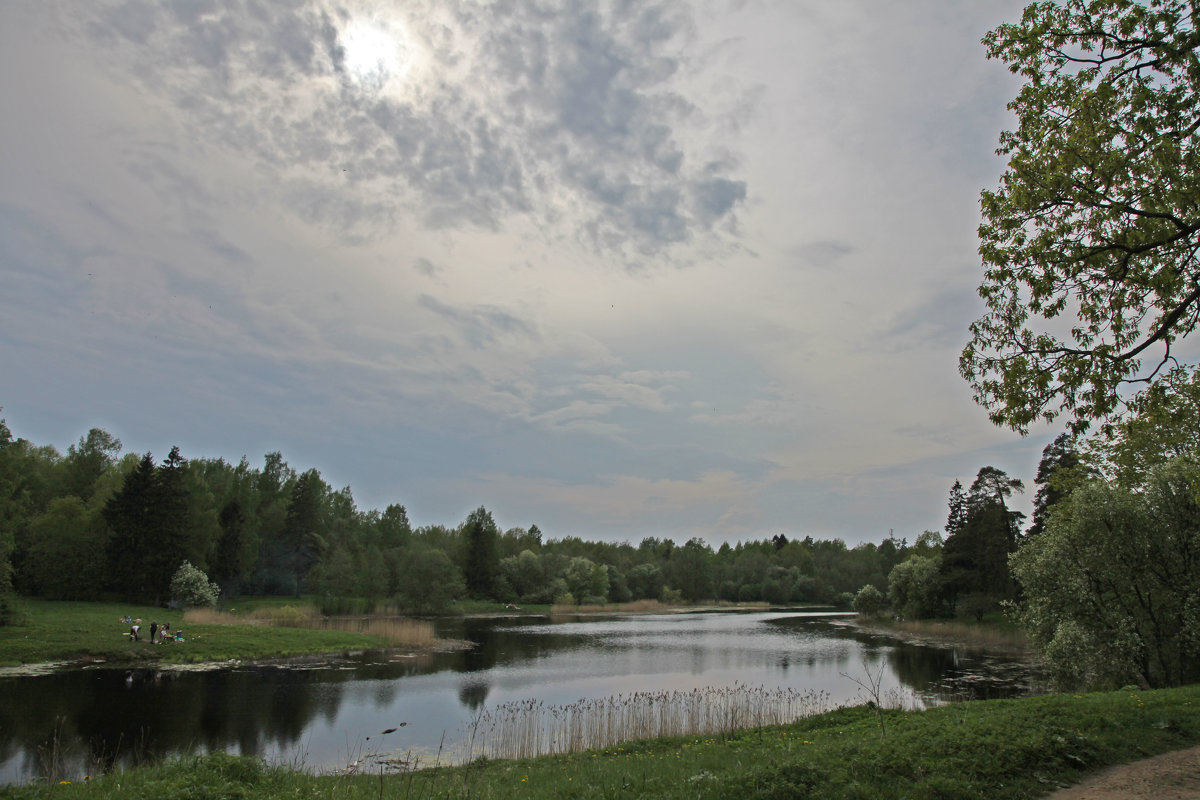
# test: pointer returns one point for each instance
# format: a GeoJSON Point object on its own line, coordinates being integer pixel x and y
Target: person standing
{"type": "Point", "coordinates": [153, 631]}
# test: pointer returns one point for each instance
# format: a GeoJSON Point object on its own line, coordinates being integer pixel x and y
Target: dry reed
{"type": "Point", "coordinates": [533, 728]}
{"type": "Point", "coordinates": [956, 632]}
{"type": "Point", "coordinates": [636, 606]}
{"type": "Point", "coordinates": [397, 631]}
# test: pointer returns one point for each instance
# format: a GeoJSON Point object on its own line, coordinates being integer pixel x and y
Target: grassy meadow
{"type": "Point", "coordinates": [56, 631]}
{"type": "Point", "coordinates": [996, 749]}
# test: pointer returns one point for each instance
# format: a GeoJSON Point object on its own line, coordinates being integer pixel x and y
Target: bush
{"type": "Point", "coordinates": [868, 601]}
{"type": "Point", "coordinates": [191, 588]}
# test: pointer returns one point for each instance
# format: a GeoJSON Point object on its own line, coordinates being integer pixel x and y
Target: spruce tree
{"type": "Point", "coordinates": [481, 556]}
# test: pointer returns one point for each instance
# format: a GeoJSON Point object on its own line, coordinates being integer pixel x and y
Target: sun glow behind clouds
{"type": "Point", "coordinates": [379, 55]}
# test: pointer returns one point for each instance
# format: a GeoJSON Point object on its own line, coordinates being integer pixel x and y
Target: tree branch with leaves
{"type": "Point", "coordinates": [1090, 242]}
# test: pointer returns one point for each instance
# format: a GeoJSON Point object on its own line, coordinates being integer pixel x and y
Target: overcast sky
{"type": "Point", "coordinates": [636, 269]}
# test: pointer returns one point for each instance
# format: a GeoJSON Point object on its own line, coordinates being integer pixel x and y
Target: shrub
{"type": "Point", "coordinates": [868, 601]}
{"type": "Point", "coordinates": [190, 587]}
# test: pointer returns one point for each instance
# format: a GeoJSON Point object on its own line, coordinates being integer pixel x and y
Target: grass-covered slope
{"type": "Point", "coordinates": [63, 631]}
{"type": "Point", "coordinates": [997, 749]}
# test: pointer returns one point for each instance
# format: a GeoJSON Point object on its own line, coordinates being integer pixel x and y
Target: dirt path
{"type": "Point", "coordinates": [1170, 776]}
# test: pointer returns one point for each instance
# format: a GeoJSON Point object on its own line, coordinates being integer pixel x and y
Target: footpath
{"type": "Point", "coordinates": [1170, 776]}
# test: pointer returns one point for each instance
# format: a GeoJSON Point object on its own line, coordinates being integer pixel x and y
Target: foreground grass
{"type": "Point", "coordinates": [64, 631]}
{"type": "Point", "coordinates": [998, 749]}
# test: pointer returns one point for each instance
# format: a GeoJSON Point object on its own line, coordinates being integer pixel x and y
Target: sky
{"type": "Point", "coordinates": [629, 269]}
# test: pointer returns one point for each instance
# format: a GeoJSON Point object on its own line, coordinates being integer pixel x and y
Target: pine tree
{"type": "Point", "coordinates": [1059, 454]}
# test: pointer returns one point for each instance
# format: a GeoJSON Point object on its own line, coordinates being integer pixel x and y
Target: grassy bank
{"type": "Point", "coordinates": [54, 631]}
{"type": "Point", "coordinates": [987, 749]}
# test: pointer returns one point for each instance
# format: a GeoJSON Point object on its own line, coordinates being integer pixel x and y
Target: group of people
{"type": "Point", "coordinates": [158, 633]}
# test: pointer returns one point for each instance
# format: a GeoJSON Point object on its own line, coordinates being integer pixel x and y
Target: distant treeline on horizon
{"type": "Point", "coordinates": [95, 523]}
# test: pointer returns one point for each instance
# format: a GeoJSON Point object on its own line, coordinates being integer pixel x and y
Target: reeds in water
{"type": "Point", "coordinates": [398, 631]}
{"type": "Point", "coordinates": [533, 728]}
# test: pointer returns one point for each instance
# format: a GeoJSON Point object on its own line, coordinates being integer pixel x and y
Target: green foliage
{"type": "Point", "coordinates": [868, 601]}
{"type": "Point", "coordinates": [981, 533]}
{"type": "Point", "coordinates": [915, 587]}
{"type": "Point", "coordinates": [1112, 587]}
{"type": "Point", "coordinates": [126, 525]}
{"type": "Point", "coordinates": [1090, 243]}
{"type": "Point", "coordinates": [481, 558]}
{"type": "Point", "coordinates": [1056, 475]}
{"type": "Point", "coordinates": [65, 559]}
{"type": "Point", "coordinates": [302, 537]}
{"type": "Point", "coordinates": [1164, 423]}
{"type": "Point", "coordinates": [429, 581]}
{"type": "Point", "coordinates": [190, 587]}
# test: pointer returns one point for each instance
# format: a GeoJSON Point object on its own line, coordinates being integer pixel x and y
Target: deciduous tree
{"type": "Point", "coordinates": [1112, 586]}
{"type": "Point", "coordinates": [1090, 242]}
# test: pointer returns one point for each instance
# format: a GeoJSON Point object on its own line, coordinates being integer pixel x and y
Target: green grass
{"type": "Point", "coordinates": [65, 631]}
{"type": "Point", "coordinates": [1001, 749]}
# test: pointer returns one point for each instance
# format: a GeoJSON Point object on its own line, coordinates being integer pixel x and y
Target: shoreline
{"type": "Point", "coordinates": [946, 633]}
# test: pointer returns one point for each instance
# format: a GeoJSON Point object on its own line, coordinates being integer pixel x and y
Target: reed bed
{"type": "Point", "coordinates": [633, 607]}
{"type": "Point", "coordinates": [988, 634]}
{"type": "Point", "coordinates": [397, 631]}
{"type": "Point", "coordinates": [532, 728]}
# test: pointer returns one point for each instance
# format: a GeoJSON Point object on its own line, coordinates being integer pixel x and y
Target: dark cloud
{"type": "Point", "coordinates": [426, 267]}
{"type": "Point", "coordinates": [579, 106]}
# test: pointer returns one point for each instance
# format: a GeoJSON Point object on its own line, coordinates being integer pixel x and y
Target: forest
{"type": "Point", "coordinates": [96, 523]}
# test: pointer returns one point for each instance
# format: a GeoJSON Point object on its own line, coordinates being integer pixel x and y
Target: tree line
{"type": "Point", "coordinates": [97, 523]}
{"type": "Point", "coordinates": [1106, 577]}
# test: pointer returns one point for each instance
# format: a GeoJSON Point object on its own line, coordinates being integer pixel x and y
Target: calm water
{"type": "Point", "coordinates": [322, 714]}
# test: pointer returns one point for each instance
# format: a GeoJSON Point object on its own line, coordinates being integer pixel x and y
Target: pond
{"type": "Point", "coordinates": [325, 715]}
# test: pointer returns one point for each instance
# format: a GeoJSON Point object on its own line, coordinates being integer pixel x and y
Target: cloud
{"type": "Point", "coordinates": [574, 119]}
{"type": "Point", "coordinates": [822, 253]}
{"type": "Point", "coordinates": [480, 325]}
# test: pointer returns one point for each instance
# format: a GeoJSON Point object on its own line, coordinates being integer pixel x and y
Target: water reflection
{"type": "Point", "coordinates": [322, 714]}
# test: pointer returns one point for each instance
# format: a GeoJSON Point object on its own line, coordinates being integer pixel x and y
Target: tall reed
{"type": "Point", "coordinates": [398, 631]}
{"type": "Point", "coordinates": [531, 728]}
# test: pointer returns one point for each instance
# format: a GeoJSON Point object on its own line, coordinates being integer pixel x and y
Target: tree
{"type": "Point", "coordinates": [974, 560]}
{"type": "Point", "coordinates": [10, 514]}
{"type": "Point", "coordinates": [915, 587]}
{"type": "Point", "coordinates": [992, 486]}
{"type": "Point", "coordinates": [66, 552]}
{"type": "Point", "coordinates": [481, 556]}
{"type": "Point", "coordinates": [303, 529]}
{"type": "Point", "coordinates": [191, 588]}
{"type": "Point", "coordinates": [1059, 460]}
{"type": "Point", "coordinates": [232, 558]}
{"type": "Point", "coordinates": [690, 570]}
{"type": "Point", "coordinates": [429, 580]}
{"type": "Point", "coordinates": [868, 601]}
{"type": "Point", "coordinates": [1165, 424]}
{"type": "Point", "coordinates": [645, 581]}
{"type": "Point", "coordinates": [958, 509]}
{"type": "Point", "coordinates": [86, 461]}
{"type": "Point", "coordinates": [1090, 242]}
{"type": "Point", "coordinates": [1112, 586]}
